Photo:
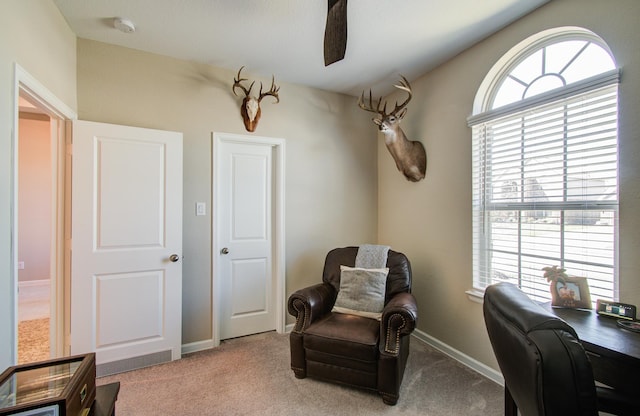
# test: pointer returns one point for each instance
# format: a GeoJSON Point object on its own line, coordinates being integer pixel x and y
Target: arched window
{"type": "Point", "coordinates": [545, 164]}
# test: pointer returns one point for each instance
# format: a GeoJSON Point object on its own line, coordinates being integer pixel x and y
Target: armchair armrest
{"type": "Point", "coordinates": [398, 319]}
{"type": "Point", "coordinates": [310, 303]}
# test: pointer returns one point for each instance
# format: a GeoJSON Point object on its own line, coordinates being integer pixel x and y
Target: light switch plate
{"type": "Point", "coordinates": [201, 208]}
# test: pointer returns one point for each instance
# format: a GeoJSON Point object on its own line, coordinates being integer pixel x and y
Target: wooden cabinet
{"type": "Point", "coordinates": [59, 387]}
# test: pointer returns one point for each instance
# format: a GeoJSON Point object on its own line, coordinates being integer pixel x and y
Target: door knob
{"type": "Point", "coordinates": [174, 258]}
{"type": "Point", "coordinates": [224, 251]}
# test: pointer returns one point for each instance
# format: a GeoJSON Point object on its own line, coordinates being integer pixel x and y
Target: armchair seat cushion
{"type": "Point", "coordinates": [344, 335]}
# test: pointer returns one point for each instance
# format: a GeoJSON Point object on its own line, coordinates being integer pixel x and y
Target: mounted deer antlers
{"type": "Point", "coordinates": [409, 155]}
{"type": "Point", "coordinates": [250, 109]}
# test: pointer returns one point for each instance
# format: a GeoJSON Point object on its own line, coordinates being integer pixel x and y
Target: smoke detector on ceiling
{"type": "Point", "coordinates": [124, 25]}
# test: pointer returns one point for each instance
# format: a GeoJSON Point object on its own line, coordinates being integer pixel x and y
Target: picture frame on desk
{"type": "Point", "coordinates": [571, 292]}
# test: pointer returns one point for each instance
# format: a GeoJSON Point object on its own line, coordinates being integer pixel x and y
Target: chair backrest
{"type": "Point", "coordinates": [398, 280]}
{"type": "Point", "coordinates": [543, 363]}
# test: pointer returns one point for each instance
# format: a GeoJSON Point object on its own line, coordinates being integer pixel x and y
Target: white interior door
{"type": "Point", "coordinates": [126, 267]}
{"type": "Point", "coordinates": [245, 242]}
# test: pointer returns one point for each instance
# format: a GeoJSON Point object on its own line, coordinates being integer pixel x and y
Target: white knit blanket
{"type": "Point", "coordinates": [372, 256]}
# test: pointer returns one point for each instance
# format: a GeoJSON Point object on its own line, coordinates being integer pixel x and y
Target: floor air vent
{"type": "Point", "coordinates": [134, 363]}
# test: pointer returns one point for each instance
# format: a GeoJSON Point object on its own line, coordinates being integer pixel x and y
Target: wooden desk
{"type": "Point", "coordinates": [614, 352]}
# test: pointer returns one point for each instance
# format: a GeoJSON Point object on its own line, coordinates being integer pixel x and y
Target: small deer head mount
{"type": "Point", "coordinates": [250, 109]}
{"type": "Point", "coordinates": [409, 155]}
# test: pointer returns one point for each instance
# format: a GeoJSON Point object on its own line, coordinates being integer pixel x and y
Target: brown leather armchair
{"type": "Point", "coordinates": [350, 349]}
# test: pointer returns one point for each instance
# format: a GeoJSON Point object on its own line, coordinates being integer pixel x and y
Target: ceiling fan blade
{"type": "Point", "coordinates": [335, 33]}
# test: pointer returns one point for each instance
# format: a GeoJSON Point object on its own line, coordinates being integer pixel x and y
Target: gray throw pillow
{"type": "Point", "coordinates": [361, 291]}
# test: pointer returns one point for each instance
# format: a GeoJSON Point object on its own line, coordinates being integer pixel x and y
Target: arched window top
{"type": "Point", "coordinates": [551, 59]}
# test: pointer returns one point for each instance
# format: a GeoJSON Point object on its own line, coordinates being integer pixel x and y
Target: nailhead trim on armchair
{"type": "Point", "coordinates": [387, 347]}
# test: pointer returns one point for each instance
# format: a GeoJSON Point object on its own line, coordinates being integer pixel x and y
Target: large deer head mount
{"type": "Point", "coordinates": [409, 155]}
{"type": "Point", "coordinates": [250, 109]}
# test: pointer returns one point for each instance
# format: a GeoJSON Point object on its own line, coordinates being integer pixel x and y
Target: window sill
{"type": "Point", "coordinates": [475, 295]}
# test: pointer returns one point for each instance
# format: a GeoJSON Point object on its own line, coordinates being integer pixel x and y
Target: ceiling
{"type": "Point", "coordinates": [285, 37]}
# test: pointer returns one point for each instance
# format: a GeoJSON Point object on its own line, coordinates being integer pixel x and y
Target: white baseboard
{"type": "Point", "coordinates": [34, 283]}
{"type": "Point", "coordinates": [206, 344]}
{"type": "Point", "coordinates": [461, 357]}
{"type": "Point", "coordinates": [32, 293]}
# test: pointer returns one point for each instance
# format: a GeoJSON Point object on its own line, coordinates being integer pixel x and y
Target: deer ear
{"type": "Point", "coordinates": [401, 114]}
{"type": "Point", "coordinates": [377, 121]}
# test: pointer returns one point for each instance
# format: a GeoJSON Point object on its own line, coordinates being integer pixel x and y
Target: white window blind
{"type": "Point", "coordinates": [545, 192]}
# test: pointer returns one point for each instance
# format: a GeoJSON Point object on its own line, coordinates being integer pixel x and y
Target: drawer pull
{"type": "Point", "coordinates": [83, 393]}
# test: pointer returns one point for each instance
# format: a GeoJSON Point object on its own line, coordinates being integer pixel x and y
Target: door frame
{"type": "Point", "coordinates": [61, 115]}
{"type": "Point", "coordinates": [278, 246]}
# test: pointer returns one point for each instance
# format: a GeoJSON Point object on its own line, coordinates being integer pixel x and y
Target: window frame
{"type": "Point", "coordinates": [482, 113]}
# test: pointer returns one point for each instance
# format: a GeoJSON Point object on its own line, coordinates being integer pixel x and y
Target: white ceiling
{"type": "Point", "coordinates": [386, 38]}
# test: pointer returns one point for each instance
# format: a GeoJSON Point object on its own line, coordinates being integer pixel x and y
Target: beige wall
{"type": "Point", "coordinates": [36, 36]}
{"type": "Point", "coordinates": [432, 222]}
{"type": "Point", "coordinates": [331, 167]}
{"type": "Point", "coordinates": [34, 196]}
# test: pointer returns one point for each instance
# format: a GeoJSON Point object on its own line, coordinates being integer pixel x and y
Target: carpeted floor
{"type": "Point", "coordinates": [251, 376]}
{"type": "Point", "coordinates": [33, 340]}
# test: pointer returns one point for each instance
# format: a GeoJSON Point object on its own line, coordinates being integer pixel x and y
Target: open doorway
{"type": "Point", "coordinates": [40, 218]}
{"type": "Point", "coordinates": [35, 228]}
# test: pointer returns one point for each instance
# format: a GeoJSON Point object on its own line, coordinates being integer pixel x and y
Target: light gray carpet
{"type": "Point", "coordinates": [251, 376]}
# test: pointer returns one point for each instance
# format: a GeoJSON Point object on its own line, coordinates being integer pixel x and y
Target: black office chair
{"type": "Point", "coordinates": [545, 368]}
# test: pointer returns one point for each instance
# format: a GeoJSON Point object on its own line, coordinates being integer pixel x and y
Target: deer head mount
{"type": "Point", "coordinates": [250, 109]}
{"type": "Point", "coordinates": [409, 155]}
